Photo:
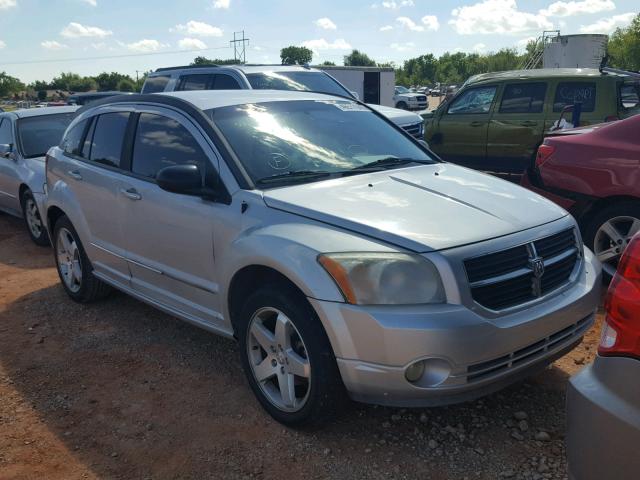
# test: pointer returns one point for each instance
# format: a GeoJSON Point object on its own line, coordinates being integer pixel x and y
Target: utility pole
{"type": "Point", "coordinates": [239, 46]}
{"type": "Point", "coordinates": [137, 76]}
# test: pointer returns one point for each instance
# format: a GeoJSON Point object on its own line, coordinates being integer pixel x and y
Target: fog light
{"type": "Point", "coordinates": [414, 372]}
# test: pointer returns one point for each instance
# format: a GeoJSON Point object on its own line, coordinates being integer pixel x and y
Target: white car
{"type": "Point", "coordinates": [404, 99]}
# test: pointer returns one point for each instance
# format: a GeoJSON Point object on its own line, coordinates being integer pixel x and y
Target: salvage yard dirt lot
{"type": "Point", "coordinates": [119, 390]}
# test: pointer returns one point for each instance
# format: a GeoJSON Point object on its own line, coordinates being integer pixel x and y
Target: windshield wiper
{"type": "Point", "coordinates": [383, 164]}
{"type": "Point", "coordinates": [293, 175]}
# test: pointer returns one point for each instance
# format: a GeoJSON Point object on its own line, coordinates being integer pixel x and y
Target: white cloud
{"type": "Point", "coordinates": [566, 9]}
{"type": "Point", "coordinates": [431, 22]}
{"type": "Point", "coordinates": [191, 44]}
{"type": "Point", "coordinates": [5, 4]}
{"type": "Point", "coordinates": [53, 45]}
{"type": "Point", "coordinates": [525, 41]}
{"type": "Point", "coordinates": [198, 29]}
{"type": "Point", "coordinates": [409, 24]}
{"type": "Point", "coordinates": [403, 47]}
{"type": "Point", "coordinates": [221, 4]}
{"type": "Point", "coordinates": [386, 28]}
{"type": "Point", "coordinates": [393, 5]}
{"type": "Point", "coordinates": [99, 46]}
{"type": "Point", "coordinates": [93, 3]}
{"type": "Point", "coordinates": [146, 46]}
{"type": "Point", "coordinates": [608, 25]}
{"type": "Point", "coordinates": [479, 47]}
{"type": "Point", "coordinates": [325, 23]}
{"type": "Point", "coordinates": [2, 45]}
{"type": "Point", "coordinates": [496, 16]}
{"type": "Point", "coordinates": [75, 30]}
{"type": "Point", "coordinates": [321, 44]}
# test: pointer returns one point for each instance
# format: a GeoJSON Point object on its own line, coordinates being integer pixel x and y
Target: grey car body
{"type": "Point", "coordinates": [20, 171]}
{"type": "Point", "coordinates": [197, 259]}
{"type": "Point", "coordinates": [603, 420]}
{"type": "Point", "coordinates": [243, 76]}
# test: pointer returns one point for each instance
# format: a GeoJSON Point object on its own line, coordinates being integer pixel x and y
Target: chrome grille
{"type": "Point", "coordinates": [421, 98]}
{"type": "Point", "coordinates": [520, 274]}
{"type": "Point", "coordinates": [415, 130]}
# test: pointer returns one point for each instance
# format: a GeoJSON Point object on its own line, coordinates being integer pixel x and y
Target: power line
{"type": "Point", "coordinates": [105, 57]}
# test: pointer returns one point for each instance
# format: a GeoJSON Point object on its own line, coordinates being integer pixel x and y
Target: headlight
{"type": "Point", "coordinates": [384, 278]}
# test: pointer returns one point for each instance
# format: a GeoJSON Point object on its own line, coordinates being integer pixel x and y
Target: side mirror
{"type": "Point", "coordinates": [6, 150]}
{"type": "Point", "coordinates": [188, 180]}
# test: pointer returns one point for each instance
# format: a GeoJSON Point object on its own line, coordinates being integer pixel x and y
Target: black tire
{"type": "Point", "coordinates": [326, 395]}
{"type": "Point", "coordinates": [402, 106]}
{"type": "Point", "coordinates": [38, 235]}
{"type": "Point", "coordinates": [90, 288]}
{"type": "Point", "coordinates": [593, 221]}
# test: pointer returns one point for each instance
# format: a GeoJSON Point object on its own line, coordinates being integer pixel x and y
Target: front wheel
{"type": "Point", "coordinates": [402, 106]}
{"type": "Point", "coordinates": [32, 219]}
{"type": "Point", "coordinates": [287, 357]}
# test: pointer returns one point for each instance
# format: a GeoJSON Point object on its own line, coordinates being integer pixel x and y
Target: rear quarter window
{"type": "Point", "coordinates": [568, 93]}
{"type": "Point", "coordinates": [523, 98]}
{"type": "Point", "coordinates": [155, 84]}
{"type": "Point", "coordinates": [195, 82]}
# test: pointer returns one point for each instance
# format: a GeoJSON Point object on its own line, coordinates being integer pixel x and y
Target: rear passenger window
{"type": "Point", "coordinates": [195, 82]}
{"type": "Point", "coordinates": [225, 82]}
{"type": "Point", "coordinates": [108, 135]}
{"type": "Point", "coordinates": [630, 95]}
{"type": "Point", "coordinates": [5, 132]}
{"type": "Point", "coordinates": [71, 142]}
{"type": "Point", "coordinates": [523, 98]}
{"type": "Point", "coordinates": [162, 142]}
{"type": "Point", "coordinates": [568, 93]}
{"type": "Point", "coordinates": [155, 84]}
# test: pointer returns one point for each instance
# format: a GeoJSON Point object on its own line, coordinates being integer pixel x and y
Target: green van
{"type": "Point", "coordinates": [496, 121]}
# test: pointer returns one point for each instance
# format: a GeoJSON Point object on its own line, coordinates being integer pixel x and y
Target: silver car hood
{"type": "Point", "coordinates": [397, 115]}
{"type": "Point", "coordinates": [422, 208]}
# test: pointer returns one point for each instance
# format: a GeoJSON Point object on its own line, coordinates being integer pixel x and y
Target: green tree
{"type": "Point", "coordinates": [293, 55]}
{"type": "Point", "coordinates": [358, 59]}
{"type": "Point", "coordinates": [110, 81]}
{"type": "Point", "coordinates": [10, 85]}
{"type": "Point", "coordinates": [327, 63]}
{"type": "Point", "coordinates": [204, 61]}
{"type": "Point", "coordinates": [126, 85]}
{"type": "Point", "coordinates": [624, 47]}
{"type": "Point", "coordinates": [42, 95]}
{"type": "Point", "coordinates": [73, 82]}
{"type": "Point", "coordinates": [40, 85]}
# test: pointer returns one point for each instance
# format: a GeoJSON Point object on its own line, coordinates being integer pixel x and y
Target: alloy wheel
{"type": "Point", "coordinates": [34, 222]}
{"type": "Point", "coordinates": [611, 239]}
{"type": "Point", "coordinates": [68, 256]}
{"type": "Point", "coordinates": [278, 359]}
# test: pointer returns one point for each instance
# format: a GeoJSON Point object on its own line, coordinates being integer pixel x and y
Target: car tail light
{"type": "Point", "coordinates": [621, 332]}
{"type": "Point", "coordinates": [544, 153]}
{"type": "Point", "coordinates": [611, 118]}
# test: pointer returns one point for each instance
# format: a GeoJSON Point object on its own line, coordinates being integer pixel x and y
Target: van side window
{"type": "Point", "coordinates": [196, 81]}
{"type": "Point", "coordinates": [155, 84]}
{"type": "Point", "coordinates": [162, 142]}
{"type": "Point", "coordinates": [108, 136]}
{"type": "Point", "coordinates": [630, 95]}
{"type": "Point", "coordinates": [71, 142]}
{"type": "Point", "coordinates": [473, 101]}
{"type": "Point", "coordinates": [568, 93]}
{"type": "Point", "coordinates": [523, 98]}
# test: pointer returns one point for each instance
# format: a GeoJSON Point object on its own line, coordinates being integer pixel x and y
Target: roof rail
{"type": "Point", "coordinates": [619, 71]}
{"type": "Point", "coordinates": [183, 67]}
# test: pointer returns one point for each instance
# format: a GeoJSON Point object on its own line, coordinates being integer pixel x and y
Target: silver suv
{"type": "Point", "coordinates": [269, 77]}
{"type": "Point", "coordinates": [340, 253]}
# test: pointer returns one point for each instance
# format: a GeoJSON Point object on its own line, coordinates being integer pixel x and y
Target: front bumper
{"type": "Point", "coordinates": [603, 420]}
{"type": "Point", "coordinates": [468, 354]}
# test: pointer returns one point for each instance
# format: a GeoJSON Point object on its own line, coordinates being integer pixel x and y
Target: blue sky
{"type": "Point", "coordinates": [69, 34]}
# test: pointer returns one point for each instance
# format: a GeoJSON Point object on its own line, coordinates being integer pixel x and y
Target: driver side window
{"type": "Point", "coordinates": [473, 101]}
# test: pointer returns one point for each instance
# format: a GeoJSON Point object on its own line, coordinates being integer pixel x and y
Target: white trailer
{"type": "Point", "coordinates": [575, 51]}
{"type": "Point", "coordinates": [372, 84]}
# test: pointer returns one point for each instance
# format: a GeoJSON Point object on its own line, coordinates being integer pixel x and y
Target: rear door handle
{"type": "Point", "coordinates": [131, 193]}
{"type": "Point", "coordinates": [75, 174]}
{"type": "Point", "coordinates": [477, 124]}
{"type": "Point", "coordinates": [529, 124]}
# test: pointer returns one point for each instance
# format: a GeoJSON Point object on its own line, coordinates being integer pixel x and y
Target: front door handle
{"type": "Point", "coordinates": [131, 193]}
{"type": "Point", "coordinates": [75, 174]}
{"type": "Point", "coordinates": [529, 123]}
{"type": "Point", "coordinates": [477, 124]}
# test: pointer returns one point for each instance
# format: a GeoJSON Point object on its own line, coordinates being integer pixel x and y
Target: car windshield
{"type": "Point", "coordinates": [307, 140]}
{"type": "Point", "coordinates": [37, 134]}
{"type": "Point", "coordinates": [402, 90]}
{"type": "Point", "coordinates": [300, 81]}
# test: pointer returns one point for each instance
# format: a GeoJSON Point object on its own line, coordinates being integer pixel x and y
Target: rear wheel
{"type": "Point", "coordinates": [287, 357]}
{"type": "Point", "coordinates": [74, 268]}
{"type": "Point", "coordinates": [32, 219]}
{"type": "Point", "coordinates": [402, 106]}
{"type": "Point", "coordinates": [609, 232]}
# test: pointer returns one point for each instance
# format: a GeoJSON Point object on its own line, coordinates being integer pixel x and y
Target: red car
{"type": "Point", "coordinates": [594, 172]}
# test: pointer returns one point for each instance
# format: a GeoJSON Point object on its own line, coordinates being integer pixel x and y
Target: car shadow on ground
{"type": "Point", "coordinates": [14, 237]}
{"type": "Point", "coordinates": [130, 392]}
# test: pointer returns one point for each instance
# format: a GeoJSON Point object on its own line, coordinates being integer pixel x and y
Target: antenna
{"type": "Point", "coordinates": [239, 47]}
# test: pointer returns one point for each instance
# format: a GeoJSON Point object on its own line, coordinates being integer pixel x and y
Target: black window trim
{"type": "Point", "coordinates": [462, 92]}
{"type": "Point", "coordinates": [508, 84]}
